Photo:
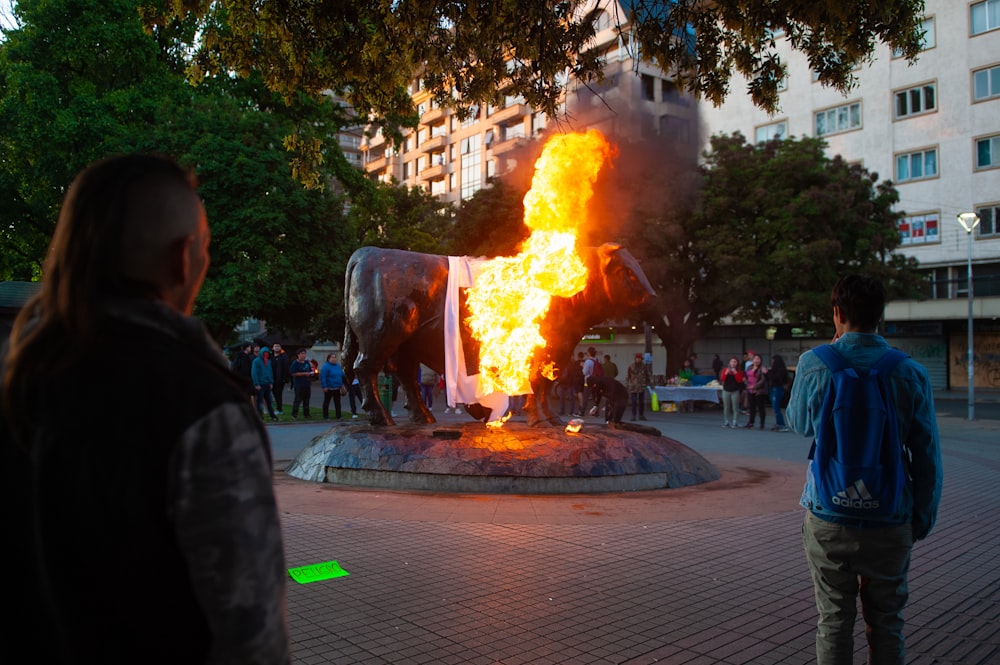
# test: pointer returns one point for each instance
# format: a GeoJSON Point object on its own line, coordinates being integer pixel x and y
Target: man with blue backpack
{"type": "Point", "coordinates": [874, 480]}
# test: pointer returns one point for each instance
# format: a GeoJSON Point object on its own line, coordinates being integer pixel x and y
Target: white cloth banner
{"type": "Point", "coordinates": [461, 388]}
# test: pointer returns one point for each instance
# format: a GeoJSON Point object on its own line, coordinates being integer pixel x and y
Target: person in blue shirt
{"type": "Point", "coordinates": [331, 380]}
{"type": "Point", "coordinates": [262, 373]}
{"type": "Point", "coordinates": [851, 557]}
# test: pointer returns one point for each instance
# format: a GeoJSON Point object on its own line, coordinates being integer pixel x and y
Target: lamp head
{"type": "Point", "coordinates": [968, 220]}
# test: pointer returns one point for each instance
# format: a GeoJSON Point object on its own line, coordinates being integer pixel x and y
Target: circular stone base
{"type": "Point", "coordinates": [514, 458]}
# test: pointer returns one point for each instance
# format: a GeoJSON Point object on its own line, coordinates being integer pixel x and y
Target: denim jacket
{"type": "Point", "coordinates": [910, 391]}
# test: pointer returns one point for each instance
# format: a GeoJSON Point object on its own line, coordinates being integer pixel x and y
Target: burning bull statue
{"type": "Point", "coordinates": [395, 307]}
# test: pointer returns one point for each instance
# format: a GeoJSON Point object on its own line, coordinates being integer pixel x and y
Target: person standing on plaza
{"type": "Point", "coordinates": [301, 371]}
{"type": "Point", "coordinates": [263, 381]}
{"type": "Point", "coordinates": [732, 381]}
{"type": "Point", "coordinates": [591, 369]}
{"type": "Point", "coordinates": [242, 365]}
{"type": "Point", "coordinates": [745, 395]}
{"type": "Point", "coordinates": [152, 536]}
{"type": "Point", "coordinates": [686, 376]}
{"type": "Point", "coordinates": [428, 381]}
{"type": "Point", "coordinates": [355, 396]}
{"type": "Point", "coordinates": [610, 369]}
{"type": "Point", "coordinates": [566, 386]}
{"type": "Point", "coordinates": [637, 379]}
{"type": "Point", "coordinates": [579, 385]}
{"type": "Point", "coordinates": [717, 366]}
{"type": "Point", "coordinates": [756, 380]}
{"type": "Point", "coordinates": [331, 380]}
{"type": "Point", "coordinates": [848, 557]}
{"type": "Point", "coordinates": [778, 380]}
{"type": "Point", "coordinates": [281, 364]}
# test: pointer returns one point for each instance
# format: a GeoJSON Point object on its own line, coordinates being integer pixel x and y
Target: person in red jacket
{"type": "Point", "coordinates": [731, 378]}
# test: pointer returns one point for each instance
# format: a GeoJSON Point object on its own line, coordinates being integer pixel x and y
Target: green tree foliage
{"type": "Point", "coordinates": [400, 217]}
{"type": "Point", "coordinates": [758, 233]}
{"type": "Point", "coordinates": [72, 89]}
{"type": "Point", "coordinates": [82, 79]}
{"type": "Point", "coordinates": [279, 250]}
{"type": "Point", "coordinates": [481, 50]}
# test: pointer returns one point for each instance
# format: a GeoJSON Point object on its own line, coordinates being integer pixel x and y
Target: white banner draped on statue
{"type": "Point", "coordinates": [460, 386]}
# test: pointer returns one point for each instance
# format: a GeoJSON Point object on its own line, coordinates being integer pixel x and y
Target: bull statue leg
{"type": "Point", "coordinates": [357, 363]}
{"type": "Point", "coordinates": [372, 403]}
{"type": "Point", "coordinates": [536, 407]}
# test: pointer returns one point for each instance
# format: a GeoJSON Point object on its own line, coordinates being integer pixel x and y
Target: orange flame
{"type": "Point", "coordinates": [512, 294]}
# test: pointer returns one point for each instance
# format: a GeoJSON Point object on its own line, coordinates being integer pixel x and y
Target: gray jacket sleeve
{"type": "Point", "coordinates": [230, 533]}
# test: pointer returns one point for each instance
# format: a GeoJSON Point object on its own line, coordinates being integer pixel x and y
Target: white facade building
{"type": "Point", "coordinates": [933, 128]}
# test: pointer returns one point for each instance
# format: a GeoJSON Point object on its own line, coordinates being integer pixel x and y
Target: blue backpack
{"type": "Point", "coordinates": [857, 457]}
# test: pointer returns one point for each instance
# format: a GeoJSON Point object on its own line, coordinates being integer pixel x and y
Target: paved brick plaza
{"type": "Point", "coordinates": [712, 574]}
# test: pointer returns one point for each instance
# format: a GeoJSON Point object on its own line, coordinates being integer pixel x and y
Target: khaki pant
{"type": "Point", "coordinates": [846, 562]}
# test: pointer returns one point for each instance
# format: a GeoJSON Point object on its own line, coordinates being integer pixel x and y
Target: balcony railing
{"type": "Point", "coordinates": [513, 111]}
{"type": "Point", "coordinates": [435, 143]}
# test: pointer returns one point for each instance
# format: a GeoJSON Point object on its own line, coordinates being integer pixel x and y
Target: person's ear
{"type": "Point", "coordinates": [179, 261]}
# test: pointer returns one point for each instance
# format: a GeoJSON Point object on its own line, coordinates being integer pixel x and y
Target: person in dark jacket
{"type": "Point", "coordinates": [282, 363]}
{"type": "Point", "coordinates": [242, 365]}
{"type": "Point", "coordinates": [616, 395]}
{"type": "Point", "coordinates": [149, 535]}
{"type": "Point", "coordinates": [301, 371]}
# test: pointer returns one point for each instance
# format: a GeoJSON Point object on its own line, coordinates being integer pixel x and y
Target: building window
{"type": "Point", "coordinates": [988, 152]}
{"type": "Point", "coordinates": [472, 170]}
{"type": "Point", "coordinates": [473, 116]}
{"type": "Point", "coordinates": [648, 87]}
{"type": "Point", "coordinates": [927, 40]}
{"type": "Point", "coordinates": [840, 119]}
{"type": "Point", "coordinates": [985, 16]}
{"type": "Point", "coordinates": [986, 83]}
{"type": "Point", "coordinates": [915, 101]}
{"type": "Point", "coordinates": [777, 130]}
{"type": "Point", "coordinates": [513, 131]}
{"type": "Point", "coordinates": [916, 165]}
{"type": "Point", "coordinates": [989, 221]}
{"type": "Point", "coordinates": [674, 127]}
{"type": "Point", "coordinates": [937, 284]}
{"type": "Point", "coordinates": [538, 122]}
{"type": "Point", "coordinates": [919, 229]}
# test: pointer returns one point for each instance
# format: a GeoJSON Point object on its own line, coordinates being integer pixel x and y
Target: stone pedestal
{"type": "Point", "coordinates": [513, 459]}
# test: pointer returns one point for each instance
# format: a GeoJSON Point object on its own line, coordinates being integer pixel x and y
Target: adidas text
{"type": "Point", "coordinates": [863, 504]}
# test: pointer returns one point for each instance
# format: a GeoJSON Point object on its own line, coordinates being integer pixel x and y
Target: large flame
{"type": "Point", "coordinates": [512, 294]}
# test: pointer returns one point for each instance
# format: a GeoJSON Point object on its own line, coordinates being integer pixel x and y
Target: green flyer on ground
{"type": "Point", "coordinates": [317, 571]}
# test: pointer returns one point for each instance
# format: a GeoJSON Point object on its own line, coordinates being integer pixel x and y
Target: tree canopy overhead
{"type": "Point", "coordinates": [81, 80]}
{"type": "Point", "coordinates": [475, 51]}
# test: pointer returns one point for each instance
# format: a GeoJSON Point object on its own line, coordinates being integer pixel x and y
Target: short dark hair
{"type": "Point", "coordinates": [861, 300]}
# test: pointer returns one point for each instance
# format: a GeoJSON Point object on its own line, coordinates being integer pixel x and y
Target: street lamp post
{"type": "Point", "coordinates": [969, 221]}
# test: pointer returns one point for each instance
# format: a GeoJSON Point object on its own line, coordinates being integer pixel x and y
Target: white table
{"type": "Point", "coordinates": [685, 393]}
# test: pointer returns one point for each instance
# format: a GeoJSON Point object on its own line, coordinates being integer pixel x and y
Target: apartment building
{"type": "Point", "coordinates": [453, 158]}
{"type": "Point", "coordinates": [933, 128]}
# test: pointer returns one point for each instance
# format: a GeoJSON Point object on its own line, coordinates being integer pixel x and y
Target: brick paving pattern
{"type": "Point", "coordinates": [626, 579]}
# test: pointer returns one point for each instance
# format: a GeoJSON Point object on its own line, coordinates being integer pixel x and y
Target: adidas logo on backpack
{"type": "Point", "coordinates": [856, 496]}
{"type": "Point", "coordinates": [857, 458]}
